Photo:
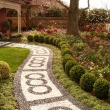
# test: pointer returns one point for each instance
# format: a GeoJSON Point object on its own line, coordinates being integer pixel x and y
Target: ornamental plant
{"type": "Point", "coordinates": [87, 81]}
{"type": "Point", "coordinates": [65, 58]}
{"type": "Point", "coordinates": [69, 64]}
{"type": "Point", "coordinates": [30, 38]}
{"type": "Point", "coordinates": [4, 70]}
{"type": "Point", "coordinates": [97, 30]}
{"type": "Point", "coordinates": [76, 72]}
{"type": "Point", "coordinates": [54, 12]}
{"type": "Point", "coordinates": [101, 88]}
{"type": "Point", "coordinates": [97, 16]}
{"type": "Point", "coordinates": [66, 51]}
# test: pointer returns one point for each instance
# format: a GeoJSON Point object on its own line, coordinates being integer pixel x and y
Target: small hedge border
{"type": "Point", "coordinates": [60, 44]}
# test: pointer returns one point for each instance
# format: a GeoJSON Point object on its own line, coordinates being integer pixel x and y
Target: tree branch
{"type": "Point", "coordinates": [87, 6]}
{"type": "Point", "coordinates": [60, 2]}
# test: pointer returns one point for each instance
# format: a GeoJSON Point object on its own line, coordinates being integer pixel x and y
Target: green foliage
{"type": "Point", "coordinates": [109, 94]}
{"type": "Point", "coordinates": [76, 72]}
{"type": "Point", "coordinates": [41, 38]}
{"type": "Point", "coordinates": [51, 40]}
{"type": "Point", "coordinates": [57, 41]}
{"type": "Point", "coordinates": [66, 51]}
{"type": "Point", "coordinates": [54, 12]}
{"type": "Point", "coordinates": [61, 43]}
{"type": "Point", "coordinates": [97, 15]}
{"type": "Point", "coordinates": [14, 60]}
{"type": "Point", "coordinates": [69, 64]}
{"type": "Point", "coordinates": [4, 70]}
{"type": "Point", "coordinates": [46, 39]}
{"type": "Point", "coordinates": [87, 81]}
{"type": "Point", "coordinates": [54, 41]}
{"type": "Point", "coordinates": [66, 57]}
{"type": "Point", "coordinates": [36, 37]}
{"type": "Point", "coordinates": [30, 38]}
{"type": "Point", "coordinates": [7, 100]}
{"type": "Point", "coordinates": [16, 37]}
{"type": "Point", "coordinates": [63, 46]}
{"type": "Point", "coordinates": [79, 46]}
{"type": "Point", "coordinates": [101, 88]}
{"type": "Point", "coordinates": [105, 72]}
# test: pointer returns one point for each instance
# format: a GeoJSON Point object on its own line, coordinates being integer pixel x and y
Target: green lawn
{"type": "Point", "coordinates": [14, 57]}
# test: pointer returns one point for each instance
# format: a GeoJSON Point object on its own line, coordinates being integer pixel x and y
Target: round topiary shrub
{"type": "Point", "coordinates": [87, 81]}
{"type": "Point", "coordinates": [61, 43]}
{"type": "Point", "coordinates": [36, 37]}
{"type": "Point", "coordinates": [41, 38]}
{"type": "Point", "coordinates": [57, 41]}
{"type": "Point", "coordinates": [4, 70]}
{"type": "Point", "coordinates": [69, 64]}
{"type": "Point", "coordinates": [101, 88]}
{"type": "Point", "coordinates": [66, 51]}
{"type": "Point", "coordinates": [30, 38]}
{"type": "Point", "coordinates": [46, 39]}
{"type": "Point", "coordinates": [76, 72]}
{"type": "Point", "coordinates": [51, 40]}
{"type": "Point", "coordinates": [54, 41]}
{"type": "Point", "coordinates": [63, 46]}
{"type": "Point", "coordinates": [66, 57]}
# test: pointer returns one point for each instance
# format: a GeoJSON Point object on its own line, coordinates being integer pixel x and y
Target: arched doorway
{"type": "Point", "coordinates": [11, 5]}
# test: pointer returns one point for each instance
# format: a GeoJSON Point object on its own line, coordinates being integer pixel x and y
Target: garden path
{"type": "Point", "coordinates": [35, 86]}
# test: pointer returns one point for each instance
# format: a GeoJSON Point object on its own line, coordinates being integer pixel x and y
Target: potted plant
{"type": "Point", "coordinates": [6, 27]}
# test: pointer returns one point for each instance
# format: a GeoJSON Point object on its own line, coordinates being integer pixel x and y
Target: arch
{"type": "Point", "coordinates": [15, 6]}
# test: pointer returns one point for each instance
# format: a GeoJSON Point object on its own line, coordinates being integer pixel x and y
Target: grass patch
{"type": "Point", "coordinates": [14, 57]}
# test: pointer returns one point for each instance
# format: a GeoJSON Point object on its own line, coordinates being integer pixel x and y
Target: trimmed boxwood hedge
{"type": "Point", "coordinates": [101, 88]}
{"type": "Point", "coordinates": [76, 72]}
{"type": "Point", "coordinates": [87, 81]}
{"type": "Point", "coordinates": [69, 64]}
{"type": "Point", "coordinates": [65, 58]}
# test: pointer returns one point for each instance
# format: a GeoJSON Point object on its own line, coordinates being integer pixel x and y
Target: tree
{"type": "Point", "coordinates": [73, 15]}
{"type": "Point", "coordinates": [28, 4]}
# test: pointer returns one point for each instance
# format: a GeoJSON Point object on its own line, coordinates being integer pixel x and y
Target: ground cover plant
{"type": "Point", "coordinates": [7, 99]}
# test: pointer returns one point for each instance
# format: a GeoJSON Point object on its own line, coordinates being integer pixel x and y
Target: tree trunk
{"type": "Point", "coordinates": [72, 27]}
{"type": "Point", "coordinates": [27, 15]}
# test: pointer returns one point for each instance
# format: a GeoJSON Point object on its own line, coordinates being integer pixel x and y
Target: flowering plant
{"type": "Point", "coordinates": [97, 15]}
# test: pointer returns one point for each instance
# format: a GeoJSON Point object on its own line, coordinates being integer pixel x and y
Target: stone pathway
{"type": "Point", "coordinates": [35, 86]}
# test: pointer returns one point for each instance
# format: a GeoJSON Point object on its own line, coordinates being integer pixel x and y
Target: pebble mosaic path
{"type": "Point", "coordinates": [35, 86]}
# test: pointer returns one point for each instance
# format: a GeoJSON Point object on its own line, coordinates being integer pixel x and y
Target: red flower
{"type": "Point", "coordinates": [109, 78]}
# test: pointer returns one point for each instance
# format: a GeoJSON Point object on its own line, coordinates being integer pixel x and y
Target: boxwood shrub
{"type": "Point", "coordinates": [101, 88]}
{"type": "Point", "coordinates": [57, 42]}
{"type": "Point", "coordinates": [30, 38]}
{"type": "Point", "coordinates": [54, 40]}
{"type": "Point", "coordinates": [66, 51]}
{"type": "Point", "coordinates": [51, 40]}
{"type": "Point", "coordinates": [61, 43]}
{"type": "Point", "coordinates": [4, 70]}
{"type": "Point", "coordinates": [63, 46]}
{"type": "Point", "coordinates": [76, 72]}
{"type": "Point", "coordinates": [87, 81]}
{"type": "Point", "coordinates": [65, 58]}
{"type": "Point", "coordinates": [36, 37]}
{"type": "Point", "coordinates": [46, 39]}
{"type": "Point", "coordinates": [69, 64]}
{"type": "Point", "coordinates": [41, 38]}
